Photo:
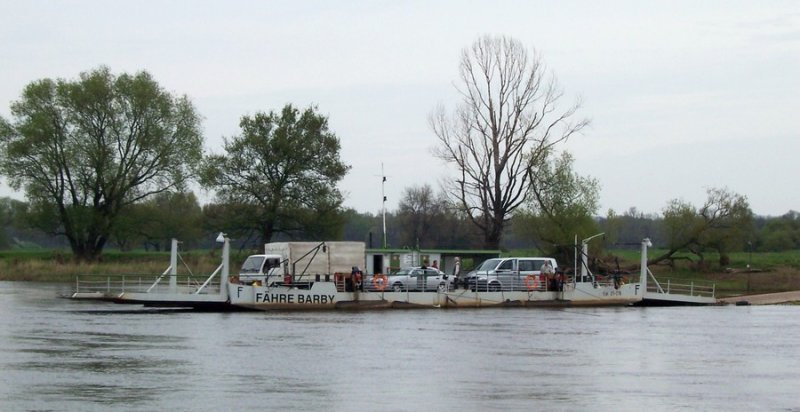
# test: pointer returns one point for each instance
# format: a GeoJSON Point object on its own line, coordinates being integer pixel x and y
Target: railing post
{"type": "Point", "coordinates": [691, 289]}
{"type": "Point", "coordinates": [173, 262]}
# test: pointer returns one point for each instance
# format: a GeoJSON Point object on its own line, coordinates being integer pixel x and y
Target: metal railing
{"type": "Point", "coordinates": [142, 283]}
{"type": "Point", "coordinates": [681, 287]}
{"type": "Point", "coordinates": [505, 284]}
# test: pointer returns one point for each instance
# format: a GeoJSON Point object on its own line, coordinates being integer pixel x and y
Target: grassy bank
{"type": "Point", "coordinates": [58, 266]}
{"type": "Point", "coordinates": [746, 273]}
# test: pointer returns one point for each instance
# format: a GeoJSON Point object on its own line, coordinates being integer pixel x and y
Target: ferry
{"type": "Point", "coordinates": [326, 276]}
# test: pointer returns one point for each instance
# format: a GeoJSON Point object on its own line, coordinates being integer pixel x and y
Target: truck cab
{"type": "Point", "coordinates": [258, 268]}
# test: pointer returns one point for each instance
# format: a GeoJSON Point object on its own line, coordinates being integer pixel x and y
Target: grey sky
{"type": "Point", "coordinates": [683, 96]}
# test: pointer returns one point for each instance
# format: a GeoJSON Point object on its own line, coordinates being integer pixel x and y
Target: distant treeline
{"type": "Point", "coordinates": [152, 224]}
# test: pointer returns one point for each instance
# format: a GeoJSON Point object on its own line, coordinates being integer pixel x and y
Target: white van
{"type": "Point", "coordinates": [513, 273]}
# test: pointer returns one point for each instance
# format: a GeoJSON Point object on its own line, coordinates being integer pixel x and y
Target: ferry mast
{"type": "Point", "coordinates": [383, 207]}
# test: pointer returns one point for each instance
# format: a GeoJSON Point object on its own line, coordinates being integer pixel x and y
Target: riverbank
{"type": "Point", "coordinates": [792, 297]}
{"type": "Point", "coordinates": [56, 266]}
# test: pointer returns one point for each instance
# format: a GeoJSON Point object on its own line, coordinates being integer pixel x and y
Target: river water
{"type": "Point", "coordinates": [58, 354]}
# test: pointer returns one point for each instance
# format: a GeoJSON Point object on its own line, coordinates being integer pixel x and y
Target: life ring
{"type": "Point", "coordinates": [532, 282]}
{"type": "Point", "coordinates": [379, 281]}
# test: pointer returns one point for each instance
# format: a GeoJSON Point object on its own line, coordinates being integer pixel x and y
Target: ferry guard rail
{"type": "Point", "coordinates": [515, 283]}
{"type": "Point", "coordinates": [209, 293]}
{"type": "Point", "coordinates": [680, 286]}
{"type": "Point", "coordinates": [139, 283]}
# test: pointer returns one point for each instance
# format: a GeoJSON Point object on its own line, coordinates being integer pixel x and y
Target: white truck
{"type": "Point", "coordinates": [302, 263]}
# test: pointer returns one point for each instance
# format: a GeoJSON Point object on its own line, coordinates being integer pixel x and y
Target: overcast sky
{"type": "Point", "coordinates": [683, 96]}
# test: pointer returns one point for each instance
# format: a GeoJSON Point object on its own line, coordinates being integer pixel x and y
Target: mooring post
{"type": "Point", "coordinates": [643, 272]}
{"type": "Point", "coordinates": [225, 275]}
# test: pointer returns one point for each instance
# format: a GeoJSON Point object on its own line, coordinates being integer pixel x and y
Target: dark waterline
{"type": "Point", "coordinates": [57, 354]}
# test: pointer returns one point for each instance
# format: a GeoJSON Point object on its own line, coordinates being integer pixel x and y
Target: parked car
{"type": "Point", "coordinates": [416, 279]}
{"type": "Point", "coordinates": [508, 274]}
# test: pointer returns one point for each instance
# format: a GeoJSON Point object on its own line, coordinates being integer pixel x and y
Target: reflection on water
{"type": "Point", "coordinates": [57, 354]}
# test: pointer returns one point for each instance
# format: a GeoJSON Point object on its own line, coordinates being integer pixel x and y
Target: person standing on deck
{"type": "Point", "coordinates": [547, 272]}
{"type": "Point", "coordinates": [456, 273]}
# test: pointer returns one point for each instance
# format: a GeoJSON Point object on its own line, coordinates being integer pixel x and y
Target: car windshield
{"type": "Point", "coordinates": [252, 264]}
{"type": "Point", "coordinates": [489, 264]}
{"type": "Point", "coordinates": [401, 272]}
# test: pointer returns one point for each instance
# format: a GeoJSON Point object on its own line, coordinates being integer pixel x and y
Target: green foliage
{"type": "Point", "coordinates": [358, 227]}
{"type": "Point", "coordinates": [561, 205]}
{"type": "Point", "coordinates": [159, 219]}
{"type": "Point", "coordinates": [631, 227]}
{"type": "Point", "coordinates": [781, 233]}
{"type": "Point", "coordinates": [282, 171]}
{"type": "Point", "coordinates": [722, 224]}
{"type": "Point", "coordinates": [7, 217]}
{"type": "Point", "coordinates": [86, 149]}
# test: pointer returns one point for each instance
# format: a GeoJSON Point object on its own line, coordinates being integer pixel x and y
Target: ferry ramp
{"type": "Point", "coordinates": [678, 293]}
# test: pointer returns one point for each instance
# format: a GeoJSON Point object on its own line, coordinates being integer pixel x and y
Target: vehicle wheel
{"type": "Point", "coordinates": [397, 287]}
{"type": "Point", "coordinates": [442, 287]}
{"type": "Point", "coordinates": [494, 287]}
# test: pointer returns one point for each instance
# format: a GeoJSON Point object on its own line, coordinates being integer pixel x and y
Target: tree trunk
{"type": "Point", "coordinates": [493, 235]}
{"type": "Point", "coordinates": [267, 232]}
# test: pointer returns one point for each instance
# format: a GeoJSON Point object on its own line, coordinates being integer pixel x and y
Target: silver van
{"type": "Point", "coordinates": [514, 273]}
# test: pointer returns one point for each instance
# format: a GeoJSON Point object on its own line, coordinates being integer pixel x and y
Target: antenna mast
{"type": "Point", "coordinates": [383, 208]}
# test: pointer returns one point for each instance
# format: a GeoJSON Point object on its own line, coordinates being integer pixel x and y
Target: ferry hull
{"type": "Point", "coordinates": [325, 296]}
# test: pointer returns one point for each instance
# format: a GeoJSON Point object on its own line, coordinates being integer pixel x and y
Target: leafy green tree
{"type": "Point", "coordinates": [8, 219]}
{"type": "Point", "coordinates": [282, 170]}
{"type": "Point", "coordinates": [508, 119]}
{"type": "Point", "coordinates": [235, 219]}
{"type": "Point", "coordinates": [86, 149]}
{"type": "Point", "coordinates": [159, 219]}
{"type": "Point", "coordinates": [631, 227]}
{"type": "Point", "coordinates": [358, 227]}
{"type": "Point", "coordinates": [561, 205]}
{"type": "Point", "coordinates": [723, 223]}
{"type": "Point", "coordinates": [782, 233]}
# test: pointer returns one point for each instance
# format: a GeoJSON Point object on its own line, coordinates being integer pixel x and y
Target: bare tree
{"type": "Point", "coordinates": [506, 123]}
